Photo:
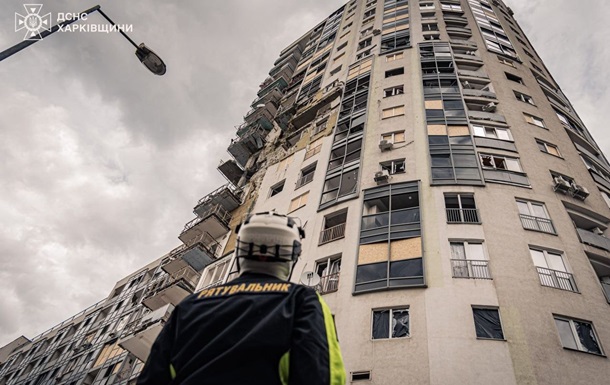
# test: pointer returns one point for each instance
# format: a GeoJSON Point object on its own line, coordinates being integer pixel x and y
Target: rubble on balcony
{"type": "Point", "coordinates": [262, 114]}
{"type": "Point", "coordinates": [251, 140]}
{"type": "Point", "coordinates": [231, 171]}
{"type": "Point", "coordinates": [173, 287]}
{"type": "Point", "coordinates": [139, 335]}
{"type": "Point", "coordinates": [321, 100]}
{"type": "Point", "coordinates": [214, 221]}
{"type": "Point", "coordinates": [227, 196]}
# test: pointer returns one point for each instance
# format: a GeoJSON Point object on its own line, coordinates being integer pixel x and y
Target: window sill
{"type": "Point", "coordinates": [391, 339]}
{"type": "Point", "coordinates": [492, 339]}
{"type": "Point", "coordinates": [390, 117]}
{"type": "Point", "coordinates": [582, 351]}
{"type": "Point", "coordinates": [535, 125]}
{"type": "Point", "coordinates": [464, 223]}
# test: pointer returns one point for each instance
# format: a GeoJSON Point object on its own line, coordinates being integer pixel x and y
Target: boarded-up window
{"type": "Point", "coordinates": [393, 111]}
{"type": "Point", "coordinates": [298, 202]}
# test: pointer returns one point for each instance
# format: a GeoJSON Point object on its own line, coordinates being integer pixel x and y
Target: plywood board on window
{"type": "Point", "coordinates": [405, 249]}
{"type": "Point", "coordinates": [434, 104]}
{"type": "Point", "coordinates": [374, 252]}
{"type": "Point", "coordinates": [437, 129]}
{"type": "Point", "coordinates": [458, 131]}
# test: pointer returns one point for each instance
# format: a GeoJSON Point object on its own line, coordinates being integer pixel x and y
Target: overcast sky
{"type": "Point", "coordinates": [101, 162]}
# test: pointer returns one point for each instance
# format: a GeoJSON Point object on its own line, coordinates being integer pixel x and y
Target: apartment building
{"type": "Point", "coordinates": [456, 210]}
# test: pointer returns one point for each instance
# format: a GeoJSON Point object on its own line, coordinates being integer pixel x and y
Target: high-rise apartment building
{"type": "Point", "coordinates": [455, 207]}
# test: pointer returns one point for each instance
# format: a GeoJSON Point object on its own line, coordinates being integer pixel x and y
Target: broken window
{"type": "Point", "coordinates": [500, 163]}
{"type": "Point", "coordinates": [394, 166]}
{"type": "Point", "coordinates": [277, 188]}
{"type": "Point", "coordinates": [395, 72]}
{"type": "Point", "coordinates": [534, 120]}
{"type": "Point", "coordinates": [394, 137]}
{"type": "Point", "coordinates": [577, 335]}
{"type": "Point", "coordinates": [548, 148]}
{"type": "Point", "coordinates": [393, 91]}
{"type": "Point", "coordinates": [524, 98]}
{"type": "Point", "coordinates": [487, 323]}
{"type": "Point", "coordinates": [390, 323]}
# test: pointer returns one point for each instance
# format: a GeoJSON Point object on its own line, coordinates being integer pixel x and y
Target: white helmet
{"type": "Point", "coordinates": [269, 237]}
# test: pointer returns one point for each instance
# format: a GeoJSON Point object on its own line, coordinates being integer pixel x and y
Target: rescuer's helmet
{"type": "Point", "coordinates": [269, 243]}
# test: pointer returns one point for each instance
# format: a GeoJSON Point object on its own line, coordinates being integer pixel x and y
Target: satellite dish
{"type": "Point", "coordinates": [310, 279]}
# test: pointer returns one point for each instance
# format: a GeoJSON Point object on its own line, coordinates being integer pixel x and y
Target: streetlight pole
{"type": "Point", "coordinates": [146, 56]}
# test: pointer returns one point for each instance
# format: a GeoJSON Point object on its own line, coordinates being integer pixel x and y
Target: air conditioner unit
{"type": "Point", "coordinates": [579, 192]}
{"type": "Point", "coordinates": [465, 84]}
{"type": "Point", "coordinates": [490, 107]}
{"type": "Point", "coordinates": [385, 145]}
{"type": "Point", "coordinates": [561, 184]}
{"type": "Point", "coordinates": [376, 31]}
{"type": "Point", "coordinates": [598, 231]}
{"type": "Point", "coordinates": [382, 176]}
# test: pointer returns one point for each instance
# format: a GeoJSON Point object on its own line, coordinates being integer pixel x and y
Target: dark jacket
{"type": "Point", "coordinates": [255, 329]}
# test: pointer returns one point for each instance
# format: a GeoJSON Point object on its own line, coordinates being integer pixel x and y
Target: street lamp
{"type": "Point", "coordinates": [151, 60]}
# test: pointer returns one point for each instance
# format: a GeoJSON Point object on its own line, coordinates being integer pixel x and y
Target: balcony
{"type": "Point", "coordinates": [226, 196]}
{"type": "Point", "coordinates": [214, 221]}
{"type": "Point", "coordinates": [473, 74]}
{"type": "Point", "coordinates": [595, 240]}
{"type": "Point", "coordinates": [280, 84]}
{"type": "Point", "coordinates": [262, 114]}
{"type": "Point", "coordinates": [328, 283]}
{"type": "Point", "coordinates": [462, 215]}
{"type": "Point", "coordinates": [172, 288]}
{"type": "Point", "coordinates": [479, 93]}
{"type": "Point", "coordinates": [199, 253]}
{"type": "Point", "coordinates": [557, 279]}
{"type": "Point", "coordinates": [537, 224]}
{"type": "Point", "coordinates": [249, 143]}
{"type": "Point", "coordinates": [332, 233]}
{"type": "Point", "coordinates": [463, 43]}
{"type": "Point", "coordinates": [470, 268]}
{"type": "Point", "coordinates": [231, 171]}
{"type": "Point", "coordinates": [273, 96]}
{"type": "Point", "coordinates": [139, 336]}
{"type": "Point", "coordinates": [309, 112]}
{"type": "Point", "coordinates": [481, 115]}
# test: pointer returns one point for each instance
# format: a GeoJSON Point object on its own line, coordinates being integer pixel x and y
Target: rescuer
{"type": "Point", "coordinates": [257, 329]}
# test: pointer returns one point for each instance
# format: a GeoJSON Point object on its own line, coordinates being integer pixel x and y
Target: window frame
{"type": "Point", "coordinates": [485, 128]}
{"type": "Point", "coordinates": [273, 189]}
{"type": "Point", "coordinates": [575, 335]}
{"type": "Point", "coordinates": [546, 146]}
{"type": "Point", "coordinates": [524, 98]}
{"type": "Point", "coordinates": [394, 166]}
{"type": "Point", "coordinates": [497, 309]}
{"type": "Point", "coordinates": [394, 91]}
{"type": "Point", "coordinates": [495, 167]}
{"type": "Point", "coordinates": [396, 111]}
{"type": "Point", "coordinates": [298, 199]}
{"type": "Point", "coordinates": [391, 317]}
{"type": "Point", "coordinates": [391, 137]}
{"type": "Point", "coordinates": [394, 72]}
{"type": "Point", "coordinates": [394, 56]}
{"type": "Point", "coordinates": [310, 169]}
{"type": "Point", "coordinates": [532, 119]}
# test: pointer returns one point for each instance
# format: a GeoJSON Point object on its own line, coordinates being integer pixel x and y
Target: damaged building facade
{"type": "Point", "coordinates": [456, 210]}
